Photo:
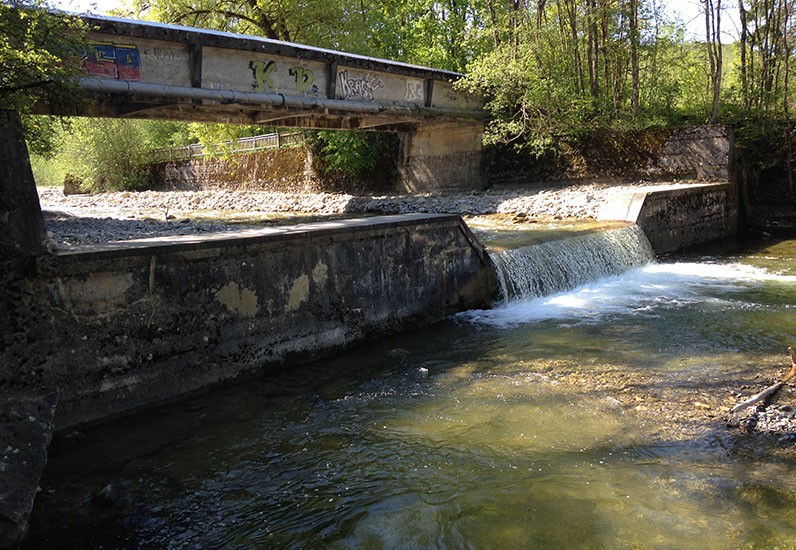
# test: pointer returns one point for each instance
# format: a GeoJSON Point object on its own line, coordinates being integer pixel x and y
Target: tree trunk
{"type": "Point", "coordinates": [634, 69]}
{"type": "Point", "coordinates": [713, 42]}
{"type": "Point", "coordinates": [593, 48]}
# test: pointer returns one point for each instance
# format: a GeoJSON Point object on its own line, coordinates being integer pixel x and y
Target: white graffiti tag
{"type": "Point", "coordinates": [414, 91]}
{"type": "Point", "coordinates": [359, 88]}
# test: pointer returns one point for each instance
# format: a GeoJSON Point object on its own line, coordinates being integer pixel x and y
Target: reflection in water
{"type": "Point", "coordinates": [525, 431]}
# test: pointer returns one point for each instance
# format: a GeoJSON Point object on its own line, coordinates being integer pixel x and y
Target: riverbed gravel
{"type": "Point", "coordinates": [107, 217]}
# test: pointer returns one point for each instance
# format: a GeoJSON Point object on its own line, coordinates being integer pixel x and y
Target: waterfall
{"type": "Point", "coordinates": [563, 264]}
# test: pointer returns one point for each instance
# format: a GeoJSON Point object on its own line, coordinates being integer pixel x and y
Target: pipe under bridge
{"type": "Point", "coordinates": [139, 69]}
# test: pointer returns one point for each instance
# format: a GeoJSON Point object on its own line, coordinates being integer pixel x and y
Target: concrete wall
{"type": "Point", "coordinates": [679, 217]}
{"type": "Point", "coordinates": [442, 157]}
{"type": "Point", "coordinates": [282, 170]}
{"type": "Point", "coordinates": [21, 224]}
{"type": "Point", "coordinates": [122, 327]}
{"type": "Point", "coordinates": [702, 153]}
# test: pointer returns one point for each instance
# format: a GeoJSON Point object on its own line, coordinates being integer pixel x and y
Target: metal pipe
{"type": "Point", "coordinates": [227, 96]}
{"type": "Point", "coordinates": [271, 99]}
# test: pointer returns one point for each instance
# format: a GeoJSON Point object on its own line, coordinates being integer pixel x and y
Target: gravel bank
{"type": "Point", "coordinates": [108, 217]}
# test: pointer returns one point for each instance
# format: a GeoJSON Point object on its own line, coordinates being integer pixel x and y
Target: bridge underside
{"type": "Point", "coordinates": [138, 69]}
{"type": "Point", "coordinates": [277, 111]}
{"type": "Point", "coordinates": [439, 151]}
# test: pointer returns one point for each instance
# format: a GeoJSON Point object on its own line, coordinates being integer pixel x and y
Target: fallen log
{"type": "Point", "coordinates": [768, 392]}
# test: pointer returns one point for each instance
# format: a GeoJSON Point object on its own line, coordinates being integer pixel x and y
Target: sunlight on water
{"type": "Point", "coordinates": [541, 269]}
{"type": "Point", "coordinates": [539, 424]}
{"type": "Point", "coordinates": [638, 291]}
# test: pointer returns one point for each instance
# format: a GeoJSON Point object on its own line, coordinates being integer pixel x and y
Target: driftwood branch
{"type": "Point", "coordinates": [769, 391]}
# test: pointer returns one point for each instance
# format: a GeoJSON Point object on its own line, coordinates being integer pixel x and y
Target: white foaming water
{"type": "Point", "coordinates": [640, 291]}
{"type": "Point", "coordinates": [554, 266]}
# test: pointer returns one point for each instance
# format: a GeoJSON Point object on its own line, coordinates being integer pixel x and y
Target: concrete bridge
{"type": "Point", "coordinates": [149, 70]}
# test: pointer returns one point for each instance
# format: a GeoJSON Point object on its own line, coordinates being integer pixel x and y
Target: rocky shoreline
{"type": "Point", "coordinates": [107, 217]}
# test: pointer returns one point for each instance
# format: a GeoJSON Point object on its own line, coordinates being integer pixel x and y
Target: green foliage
{"type": "Point", "coordinates": [351, 153]}
{"type": "Point", "coordinates": [111, 154]}
{"type": "Point", "coordinates": [46, 173]}
{"type": "Point", "coordinates": [41, 133]}
{"type": "Point", "coordinates": [567, 69]}
{"type": "Point", "coordinates": [219, 139]}
{"type": "Point", "coordinates": [39, 55]}
{"type": "Point", "coordinates": [347, 159]}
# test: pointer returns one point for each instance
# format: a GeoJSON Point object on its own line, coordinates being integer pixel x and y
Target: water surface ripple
{"type": "Point", "coordinates": [567, 421]}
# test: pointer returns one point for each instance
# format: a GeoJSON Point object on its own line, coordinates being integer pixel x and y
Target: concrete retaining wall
{"type": "Point", "coordinates": [280, 170]}
{"type": "Point", "coordinates": [702, 153]}
{"type": "Point", "coordinates": [679, 217]}
{"type": "Point", "coordinates": [123, 326]}
{"type": "Point", "coordinates": [442, 157]}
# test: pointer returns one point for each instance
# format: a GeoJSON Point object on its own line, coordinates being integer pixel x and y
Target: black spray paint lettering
{"type": "Point", "coordinates": [359, 88]}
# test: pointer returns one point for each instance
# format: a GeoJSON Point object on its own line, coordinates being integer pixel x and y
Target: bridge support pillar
{"type": "Point", "coordinates": [22, 231]}
{"type": "Point", "coordinates": [22, 238]}
{"type": "Point", "coordinates": [442, 157]}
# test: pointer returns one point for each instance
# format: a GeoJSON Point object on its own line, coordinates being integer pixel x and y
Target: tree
{"type": "Point", "coordinates": [580, 64]}
{"type": "Point", "coordinates": [39, 55]}
{"type": "Point", "coordinates": [113, 154]}
{"type": "Point", "coordinates": [712, 11]}
{"type": "Point", "coordinates": [305, 21]}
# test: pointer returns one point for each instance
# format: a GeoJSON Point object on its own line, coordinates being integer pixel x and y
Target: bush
{"type": "Point", "coordinates": [353, 160]}
{"type": "Point", "coordinates": [111, 154]}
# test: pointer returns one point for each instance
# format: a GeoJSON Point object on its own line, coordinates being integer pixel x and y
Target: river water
{"type": "Point", "coordinates": [591, 418]}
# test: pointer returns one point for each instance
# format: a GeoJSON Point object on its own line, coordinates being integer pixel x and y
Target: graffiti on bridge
{"type": "Point", "coordinates": [116, 61]}
{"type": "Point", "coordinates": [263, 75]}
{"type": "Point", "coordinates": [363, 88]}
{"type": "Point", "coordinates": [414, 91]}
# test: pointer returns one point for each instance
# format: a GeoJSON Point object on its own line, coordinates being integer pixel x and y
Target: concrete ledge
{"type": "Point", "coordinates": [679, 217]}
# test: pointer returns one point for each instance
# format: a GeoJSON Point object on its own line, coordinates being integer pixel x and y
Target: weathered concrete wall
{"type": "Point", "coordinates": [122, 327]}
{"type": "Point", "coordinates": [442, 157]}
{"type": "Point", "coordinates": [680, 217]}
{"type": "Point", "coordinates": [281, 171]}
{"type": "Point", "coordinates": [21, 224]}
{"type": "Point", "coordinates": [26, 427]}
{"type": "Point", "coordinates": [703, 153]}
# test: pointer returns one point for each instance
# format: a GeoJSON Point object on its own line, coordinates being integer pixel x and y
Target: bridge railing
{"type": "Point", "coordinates": [240, 146]}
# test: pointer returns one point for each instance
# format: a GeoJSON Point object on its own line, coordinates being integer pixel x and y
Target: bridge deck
{"type": "Point", "coordinates": [152, 70]}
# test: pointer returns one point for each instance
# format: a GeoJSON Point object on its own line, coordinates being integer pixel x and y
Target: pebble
{"type": "Point", "coordinates": [772, 419]}
{"type": "Point", "coordinates": [582, 200]}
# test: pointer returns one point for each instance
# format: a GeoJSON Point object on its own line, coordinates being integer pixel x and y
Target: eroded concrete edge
{"type": "Point", "coordinates": [26, 428]}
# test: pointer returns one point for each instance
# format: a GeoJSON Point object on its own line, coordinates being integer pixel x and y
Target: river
{"type": "Point", "coordinates": [591, 418]}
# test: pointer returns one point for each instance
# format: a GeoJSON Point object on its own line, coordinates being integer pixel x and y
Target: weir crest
{"type": "Point", "coordinates": [563, 264]}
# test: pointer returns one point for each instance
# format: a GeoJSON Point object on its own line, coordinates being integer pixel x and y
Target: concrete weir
{"type": "Point", "coordinates": [110, 329]}
{"type": "Point", "coordinates": [139, 322]}
{"type": "Point", "coordinates": [680, 216]}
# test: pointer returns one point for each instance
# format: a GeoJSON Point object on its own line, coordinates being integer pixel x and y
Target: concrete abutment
{"type": "Point", "coordinates": [442, 157]}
